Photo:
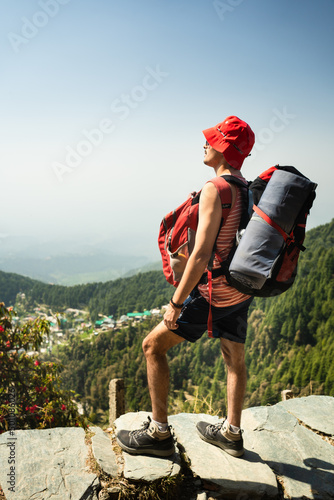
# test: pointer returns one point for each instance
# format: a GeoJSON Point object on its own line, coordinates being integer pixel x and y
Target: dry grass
{"type": "Point", "coordinates": [192, 404]}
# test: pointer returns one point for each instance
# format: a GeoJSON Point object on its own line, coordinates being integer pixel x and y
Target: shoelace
{"type": "Point", "coordinates": [143, 429]}
{"type": "Point", "coordinates": [215, 428]}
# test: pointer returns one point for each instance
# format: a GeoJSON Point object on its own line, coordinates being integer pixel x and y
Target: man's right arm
{"type": "Point", "coordinates": [209, 219]}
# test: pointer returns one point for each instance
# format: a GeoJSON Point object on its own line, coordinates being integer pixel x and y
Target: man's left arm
{"type": "Point", "coordinates": [209, 219]}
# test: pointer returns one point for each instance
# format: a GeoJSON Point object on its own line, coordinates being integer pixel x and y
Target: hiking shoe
{"type": "Point", "coordinates": [147, 440]}
{"type": "Point", "coordinates": [222, 436]}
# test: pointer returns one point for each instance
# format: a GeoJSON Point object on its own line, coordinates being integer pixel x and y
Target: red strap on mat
{"type": "Point", "coordinates": [272, 223]}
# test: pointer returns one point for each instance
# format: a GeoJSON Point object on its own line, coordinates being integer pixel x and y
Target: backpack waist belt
{"type": "Point", "coordinates": [215, 274]}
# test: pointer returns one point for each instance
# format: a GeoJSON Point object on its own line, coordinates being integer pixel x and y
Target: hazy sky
{"type": "Point", "coordinates": [103, 104]}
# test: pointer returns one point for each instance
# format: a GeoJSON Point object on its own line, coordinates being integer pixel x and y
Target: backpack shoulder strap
{"type": "Point", "coordinates": [236, 180]}
{"type": "Point", "coordinates": [247, 198]}
{"type": "Point", "coordinates": [225, 193]}
{"type": "Point", "coordinates": [222, 184]}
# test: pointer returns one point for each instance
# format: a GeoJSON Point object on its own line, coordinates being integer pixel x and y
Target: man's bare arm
{"type": "Point", "coordinates": [210, 213]}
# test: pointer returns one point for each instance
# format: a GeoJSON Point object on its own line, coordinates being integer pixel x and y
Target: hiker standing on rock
{"type": "Point", "coordinates": [227, 146]}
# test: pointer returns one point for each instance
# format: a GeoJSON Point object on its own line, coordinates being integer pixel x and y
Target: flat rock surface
{"type": "Point", "coordinates": [103, 452]}
{"type": "Point", "coordinates": [316, 412]}
{"type": "Point", "coordinates": [281, 441]}
{"type": "Point", "coordinates": [301, 458]}
{"type": "Point", "coordinates": [247, 476]}
{"type": "Point", "coordinates": [144, 467]}
{"type": "Point", "coordinates": [49, 464]}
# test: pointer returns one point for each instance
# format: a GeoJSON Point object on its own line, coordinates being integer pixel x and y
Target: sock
{"type": "Point", "coordinates": [234, 428]}
{"type": "Point", "coordinates": [161, 426]}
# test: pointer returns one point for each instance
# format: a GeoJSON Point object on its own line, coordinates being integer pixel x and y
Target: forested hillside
{"type": "Point", "coordinates": [142, 291]}
{"type": "Point", "coordinates": [291, 338]}
{"type": "Point", "coordinates": [290, 344]}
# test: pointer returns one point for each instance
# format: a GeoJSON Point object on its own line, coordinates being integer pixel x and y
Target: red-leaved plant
{"type": "Point", "coordinates": [31, 396]}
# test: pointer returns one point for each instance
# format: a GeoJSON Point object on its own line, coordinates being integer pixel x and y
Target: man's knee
{"type": "Point", "coordinates": [159, 341]}
{"type": "Point", "coordinates": [148, 345]}
{"type": "Point", "coordinates": [153, 343]}
{"type": "Point", "coordinates": [235, 363]}
{"type": "Point", "coordinates": [233, 354]}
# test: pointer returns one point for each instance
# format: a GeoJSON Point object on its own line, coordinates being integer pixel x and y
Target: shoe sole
{"type": "Point", "coordinates": [233, 453]}
{"type": "Point", "coordinates": [146, 451]}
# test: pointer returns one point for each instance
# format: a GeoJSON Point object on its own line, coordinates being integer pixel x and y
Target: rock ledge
{"type": "Point", "coordinates": [289, 454]}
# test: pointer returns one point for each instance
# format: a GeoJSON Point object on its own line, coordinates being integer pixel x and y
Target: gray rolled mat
{"type": "Point", "coordinates": [261, 244]}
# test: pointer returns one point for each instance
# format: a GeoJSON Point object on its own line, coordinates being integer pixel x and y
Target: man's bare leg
{"type": "Point", "coordinates": [234, 357]}
{"type": "Point", "coordinates": [152, 438]}
{"type": "Point", "coordinates": [155, 347]}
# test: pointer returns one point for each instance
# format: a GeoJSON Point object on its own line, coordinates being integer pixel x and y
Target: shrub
{"type": "Point", "coordinates": [31, 396]}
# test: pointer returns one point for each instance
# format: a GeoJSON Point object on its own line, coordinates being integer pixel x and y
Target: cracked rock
{"type": "Point", "coordinates": [103, 452]}
{"type": "Point", "coordinates": [303, 461]}
{"type": "Point", "coordinates": [314, 411]}
{"type": "Point", "coordinates": [49, 464]}
{"type": "Point", "coordinates": [232, 476]}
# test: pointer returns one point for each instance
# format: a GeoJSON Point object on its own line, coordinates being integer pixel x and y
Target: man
{"type": "Point", "coordinates": [227, 145]}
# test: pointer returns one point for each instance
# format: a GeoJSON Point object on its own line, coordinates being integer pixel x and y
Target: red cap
{"type": "Point", "coordinates": [232, 137]}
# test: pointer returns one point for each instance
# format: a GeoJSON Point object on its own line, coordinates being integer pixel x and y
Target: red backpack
{"type": "Point", "coordinates": [178, 230]}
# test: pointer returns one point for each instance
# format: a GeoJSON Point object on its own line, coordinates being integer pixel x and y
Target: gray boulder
{"type": "Point", "coordinates": [49, 464]}
{"type": "Point", "coordinates": [302, 461]}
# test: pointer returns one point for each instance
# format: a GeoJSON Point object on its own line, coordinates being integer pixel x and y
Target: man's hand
{"type": "Point", "coordinates": [171, 316]}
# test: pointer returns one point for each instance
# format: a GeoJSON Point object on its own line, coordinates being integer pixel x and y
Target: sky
{"type": "Point", "coordinates": [103, 104]}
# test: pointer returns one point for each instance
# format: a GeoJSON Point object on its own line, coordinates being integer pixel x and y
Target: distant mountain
{"type": "Point", "coordinates": [85, 260]}
{"type": "Point", "coordinates": [72, 269]}
{"type": "Point", "coordinates": [153, 266]}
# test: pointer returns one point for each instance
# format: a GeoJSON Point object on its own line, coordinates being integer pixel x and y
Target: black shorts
{"type": "Point", "coordinates": [227, 322]}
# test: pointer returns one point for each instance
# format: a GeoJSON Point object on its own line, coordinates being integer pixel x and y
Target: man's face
{"type": "Point", "coordinates": [212, 158]}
